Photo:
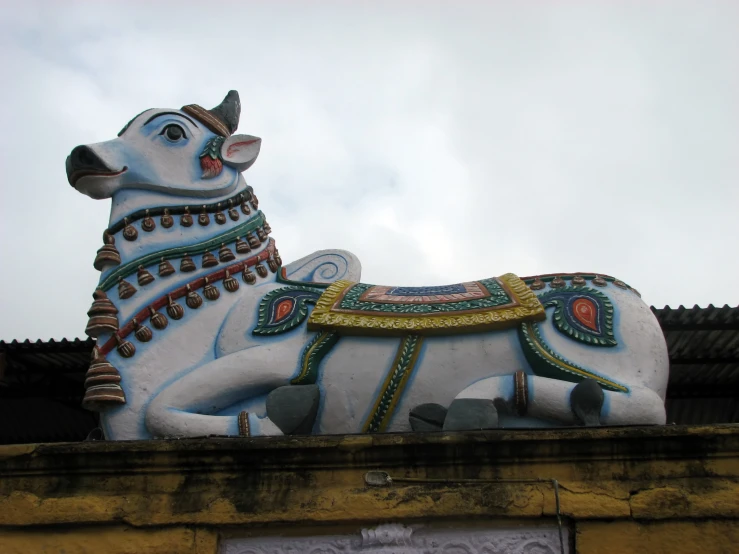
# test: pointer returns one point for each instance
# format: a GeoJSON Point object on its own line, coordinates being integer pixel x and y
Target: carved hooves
{"type": "Point", "coordinates": [427, 417]}
{"type": "Point", "coordinates": [294, 408]}
{"type": "Point", "coordinates": [464, 414]}
{"type": "Point", "coordinates": [468, 414]}
{"type": "Point", "coordinates": [586, 401]}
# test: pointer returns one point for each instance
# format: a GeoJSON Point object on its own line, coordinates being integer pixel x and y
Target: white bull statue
{"type": "Point", "coordinates": [202, 331]}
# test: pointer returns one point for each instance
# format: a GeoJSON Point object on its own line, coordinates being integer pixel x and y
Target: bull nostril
{"type": "Point", "coordinates": [83, 157]}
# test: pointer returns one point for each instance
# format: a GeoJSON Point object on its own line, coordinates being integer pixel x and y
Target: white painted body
{"type": "Point", "coordinates": [198, 374]}
{"type": "Point", "coordinates": [221, 373]}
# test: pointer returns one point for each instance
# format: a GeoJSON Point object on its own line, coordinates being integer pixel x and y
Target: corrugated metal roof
{"type": "Point", "coordinates": [703, 344]}
{"type": "Point", "coordinates": [62, 355]}
{"type": "Point", "coordinates": [41, 388]}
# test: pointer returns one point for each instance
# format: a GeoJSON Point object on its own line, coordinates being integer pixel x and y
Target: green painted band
{"type": "Point", "coordinates": [131, 267]}
{"type": "Point", "coordinates": [312, 356]}
{"type": "Point", "coordinates": [392, 389]}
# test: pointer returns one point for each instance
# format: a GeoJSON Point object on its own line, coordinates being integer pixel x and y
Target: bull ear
{"type": "Point", "coordinates": [240, 151]}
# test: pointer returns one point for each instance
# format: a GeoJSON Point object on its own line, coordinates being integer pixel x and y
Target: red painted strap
{"type": "Point", "coordinates": [180, 292]}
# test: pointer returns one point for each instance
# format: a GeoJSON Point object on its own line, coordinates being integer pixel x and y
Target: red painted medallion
{"type": "Point", "coordinates": [586, 313]}
{"type": "Point", "coordinates": [283, 309]}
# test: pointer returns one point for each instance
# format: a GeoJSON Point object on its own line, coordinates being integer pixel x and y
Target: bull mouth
{"type": "Point", "coordinates": [80, 173]}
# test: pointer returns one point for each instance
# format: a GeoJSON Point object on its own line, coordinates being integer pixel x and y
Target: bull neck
{"type": "Point", "coordinates": [131, 204]}
{"type": "Point", "coordinates": [177, 242]}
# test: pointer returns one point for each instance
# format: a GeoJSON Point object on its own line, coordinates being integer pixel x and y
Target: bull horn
{"type": "Point", "coordinates": [229, 110]}
{"type": "Point", "coordinates": [223, 119]}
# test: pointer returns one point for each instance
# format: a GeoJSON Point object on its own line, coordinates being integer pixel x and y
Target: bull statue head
{"type": "Point", "coordinates": [186, 152]}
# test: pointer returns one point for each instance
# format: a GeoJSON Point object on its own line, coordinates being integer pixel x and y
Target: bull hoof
{"type": "Point", "coordinates": [586, 401]}
{"type": "Point", "coordinates": [427, 417]}
{"type": "Point", "coordinates": [294, 408]}
{"type": "Point", "coordinates": [468, 414]}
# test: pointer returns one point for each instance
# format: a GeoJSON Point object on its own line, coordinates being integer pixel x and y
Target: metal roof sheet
{"type": "Point", "coordinates": [703, 345]}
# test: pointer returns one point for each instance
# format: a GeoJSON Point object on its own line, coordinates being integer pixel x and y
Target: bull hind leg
{"type": "Point", "coordinates": [586, 403]}
{"type": "Point", "coordinates": [567, 403]}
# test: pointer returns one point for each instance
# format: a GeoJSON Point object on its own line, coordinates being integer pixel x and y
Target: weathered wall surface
{"type": "Point", "coordinates": [656, 489]}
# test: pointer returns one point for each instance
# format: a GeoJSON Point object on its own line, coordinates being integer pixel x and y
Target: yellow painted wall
{"type": "Point", "coordinates": [663, 537]}
{"type": "Point", "coordinates": [658, 489]}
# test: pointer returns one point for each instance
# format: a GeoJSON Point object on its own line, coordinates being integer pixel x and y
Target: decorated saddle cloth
{"type": "Point", "coordinates": [358, 309]}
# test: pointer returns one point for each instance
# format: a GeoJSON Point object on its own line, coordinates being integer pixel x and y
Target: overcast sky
{"type": "Point", "coordinates": [439, 142]}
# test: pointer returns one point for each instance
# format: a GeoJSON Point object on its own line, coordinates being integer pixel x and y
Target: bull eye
{"type": "Point", "coordinates": [173, 133]}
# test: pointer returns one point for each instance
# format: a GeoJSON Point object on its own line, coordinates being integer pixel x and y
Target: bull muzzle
{"type": "Point", "coordinates": [84, 162]}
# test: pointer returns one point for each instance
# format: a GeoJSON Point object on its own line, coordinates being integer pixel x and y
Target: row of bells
{"type": "Point", "coordinates": [186, 220]}
{"type": "Point", "coordinates": [108, 254]}
{"type": "Point", "coordinates": [103, 315]}
{"type": "Point", "coordinates": [577, 280]}
{"type": "Point", "coordinates": [144, 277]}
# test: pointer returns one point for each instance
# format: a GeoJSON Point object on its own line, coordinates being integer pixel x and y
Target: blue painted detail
{"type": "Point", "coordinates": [508, 386]}
{"type": "Point", "coordinates": [531, 385]}
{"type": "Point", "coordinates": [427, 291]}
{"type": "Point", "coordinates": [233, 426]}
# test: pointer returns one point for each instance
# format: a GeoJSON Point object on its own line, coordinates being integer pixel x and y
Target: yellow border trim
{"type": "Point", "coordinates": [526, 307]}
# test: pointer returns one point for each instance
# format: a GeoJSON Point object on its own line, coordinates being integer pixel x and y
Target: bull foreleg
{"type": "Point", "coordinates": [181, 409]}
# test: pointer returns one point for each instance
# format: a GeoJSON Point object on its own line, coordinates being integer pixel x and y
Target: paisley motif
{"type": "Point", "coordinates": [284, 309]}
{"type": "Point", "coordinates": [582, 313]}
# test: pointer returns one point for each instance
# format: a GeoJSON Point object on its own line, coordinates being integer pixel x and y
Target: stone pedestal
{"type": "Point", "coordinates": [619, 490]}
